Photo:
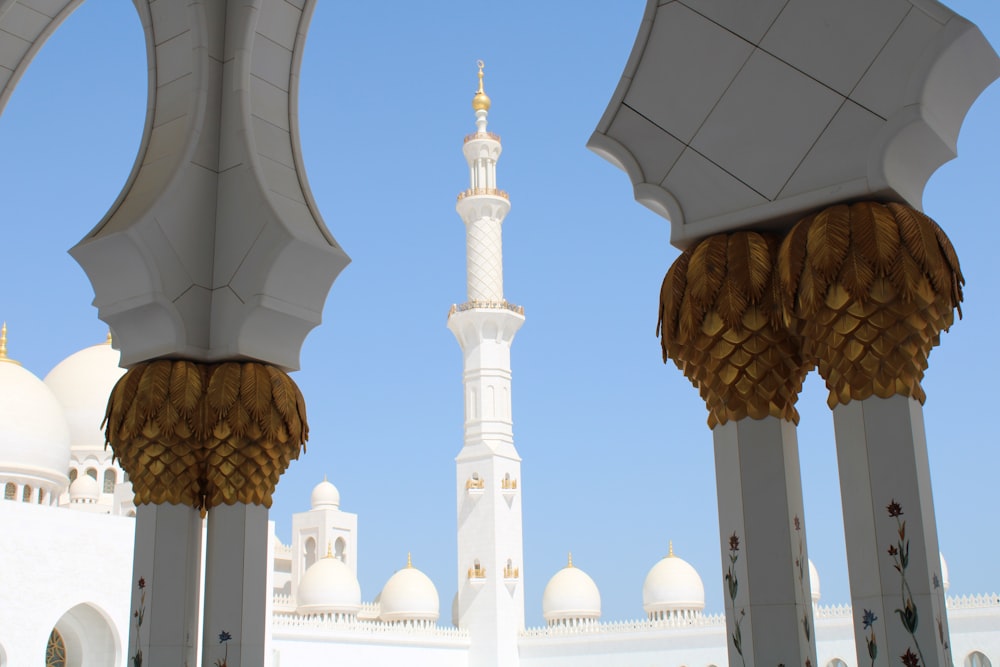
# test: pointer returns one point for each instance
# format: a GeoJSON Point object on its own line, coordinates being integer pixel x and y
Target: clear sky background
{"type": "Point", "coordinates": [617, 458]}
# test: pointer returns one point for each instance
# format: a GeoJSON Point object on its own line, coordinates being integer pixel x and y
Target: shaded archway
{"type": "Point", "coordinates": [84, 637]}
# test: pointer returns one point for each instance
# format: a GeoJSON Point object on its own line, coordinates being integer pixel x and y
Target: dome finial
{"type": "Point", "coordinates": [3, 346]}
{"type": "Point", "coordinates": [481, 101]}
{"type": "Point", "coordinates": [329, 550]}
{"type": "Point", "coordinates": [570, 560]}
{"type": "Point", "coordinates": [108, 341]}
{"type": "Point", "coordinates": [670, 551]}
{"type": "Point", "coordinates": [409, 560]}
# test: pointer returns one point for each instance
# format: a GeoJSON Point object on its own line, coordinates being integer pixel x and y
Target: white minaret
{"type": "Point", "coordinates": [490, 591]}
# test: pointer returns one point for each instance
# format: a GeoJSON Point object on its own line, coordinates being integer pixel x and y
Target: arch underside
{"type": "Point", "coordinates": [215, 248]}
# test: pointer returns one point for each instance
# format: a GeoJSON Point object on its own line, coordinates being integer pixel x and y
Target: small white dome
{"type": "Point", "coordinates": [672, 585]}
{"type": "Point", "coordinates": [409, 595]}
{"type": "Point", "coordinates": [82, 382]}
{"type": "Point", "coordinates": [571, 595]}
{"type": "Point", "coordinates": [945, 581]}
{"type": "Point", "coordinates": [325, 496]}
{"type": "Point", "coordinates": [813, 582]}
{"type": "Point", "coordinates": [84, 489]}
{"type": "Point", "coordinates": [328, 587]}
{"type": "Point", "coordinates": [34, 437]}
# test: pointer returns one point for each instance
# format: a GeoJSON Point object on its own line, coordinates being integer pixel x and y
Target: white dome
{"type": "Point", "coordinates": [813, 581]}
{"type": "Point", "coordinates": [34, 437]}
{"type": "Point", "coordinates": [571, 595]}
{"type": "Point", "coordinates": [82, 382]}
{"type": "Point", "coordinates": [945, 581]}
{"type": "Point", "coordinates": [672, 585]}
{"type": "Point", "coordinates": [328, 587]}
{"type": "Point", "coordinates": [409, 595]}
{"type": "Point", "coordinates": [84, 489]}
{"type": "Point", "coordinates": [325, 496]}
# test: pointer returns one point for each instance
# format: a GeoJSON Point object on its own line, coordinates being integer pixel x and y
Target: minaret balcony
{"type": "Point", "coordinates": [484, 192]}
{"type": "Point", "coordinates": [481, 135]}
{"type": "Point", "coordinates": [475, 485]}
{"type": "Point", "coordinates": [476, 304]}
{"type": "Point", "coordinates": [477, 575]}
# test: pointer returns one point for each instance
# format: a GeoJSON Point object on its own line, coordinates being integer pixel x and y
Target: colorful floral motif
{"type": "Point", "coordinates": [908, 616]}
{"type": "Point", "coordinates": [139, 614]}
{"type": "Point", "coordinates": [733, 587]}
{"type": "Point", "coordinates": [224, 638]}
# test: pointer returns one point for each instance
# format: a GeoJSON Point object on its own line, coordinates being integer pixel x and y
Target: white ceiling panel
{"type": "Point", "coordinates": [703, 58]}
{"type": "Point", "coordinates": [766, 123]}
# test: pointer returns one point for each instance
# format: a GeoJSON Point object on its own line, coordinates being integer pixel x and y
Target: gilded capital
{"type": "Point", "coordinates": [202, 435]}
{"type": "Point", "coordinates": [869, 287]}
{"type": "Point", "coordinates": [720, 322]}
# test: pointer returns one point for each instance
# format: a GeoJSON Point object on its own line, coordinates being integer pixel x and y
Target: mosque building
{"type": "Point", "coordinates": [68, 518]}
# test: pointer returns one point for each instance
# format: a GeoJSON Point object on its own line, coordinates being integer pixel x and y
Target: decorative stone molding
{"type": "Point", "coordinates": [869, 287]}
{"type": "Point", "coordinates": [215, 248]}
{"type": "Point", "coordinates": [726, 118]}
{"type": "Point", "coordinates": [720, 322]}
{"type": "Point", "coordinates": [203, 435]}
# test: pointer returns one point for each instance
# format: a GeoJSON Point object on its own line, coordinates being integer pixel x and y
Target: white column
{"type": "Point", "coordinates": [892, 547]}
{"type": "Point", "coordinates": [236, 585]}
{"type": "Point", "coordinates": [165, 585]}
{"type": "Point", "coordinates": [765, 562]}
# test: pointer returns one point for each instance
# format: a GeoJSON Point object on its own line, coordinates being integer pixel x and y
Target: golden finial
{"type": "Point", "coordinates": [108, 341]}
{"type": "Point", "coordinates": [670, 553]}
{"type": "Point", "coordinates": [570, 560]}
{"type": "Point", "coordinates": [329, 550]}
{"type": "Point", "coordinates": [481, 101]}
{"type": "Point", "coordinates": [3, 346]}
{"type": "Point", "coordinates": [409, 560]}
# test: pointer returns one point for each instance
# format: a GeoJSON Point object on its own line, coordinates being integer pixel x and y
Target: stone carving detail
{"type": "Point", "coordinates": [863, 290]}
{"type": "Point", "coordinates": [720, 321]}
{"type": "Point", "coordinates": [205, 434]}
{"type": "Point", "coordinates": [869, 287]}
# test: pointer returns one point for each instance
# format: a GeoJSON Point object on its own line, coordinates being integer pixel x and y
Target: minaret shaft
{"type": "Point", "coordinates": [488, 468]}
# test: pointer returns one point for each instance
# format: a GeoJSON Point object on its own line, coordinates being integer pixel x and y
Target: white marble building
{"type": "Point", "coordinates": [67, 564]}
{"type": "Point", "coordinates": [66, 555]}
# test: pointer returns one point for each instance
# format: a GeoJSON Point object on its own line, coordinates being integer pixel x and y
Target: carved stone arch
{"type": "Point", "coordinates": [89, 637]}
{"type": "Point", "coordinates": [215, 248]}
{"type": "Point", "coordinates": [977, 659]}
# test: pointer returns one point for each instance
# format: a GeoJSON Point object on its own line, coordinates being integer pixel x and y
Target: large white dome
{"type": "Point", "coordinates": [328, 587]}
{"type": "Point", "coordinates": [82, 382]}
{"type": "Point", "coordinates": [571, 595]}
{"type": "Point", "coordinates": [409, 595]}
{"type": "Point", "coordinates": [34, 436]}
{"type": "Point", "coordinates": [672, 585]}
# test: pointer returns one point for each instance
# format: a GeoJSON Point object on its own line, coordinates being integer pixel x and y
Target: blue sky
{"type": "Point", "coordinates": [617, 456]}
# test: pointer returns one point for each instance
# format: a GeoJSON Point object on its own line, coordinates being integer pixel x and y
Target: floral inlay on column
{"type": "Point", "coordinates": [139, 614]}
{"type": "Point", "coordinates": [733, 586]}
{"type": "Point", "coordinates": [801, 563]}
{"type": "Point", "coordinates": [900, 554]}
{"type": "Point", "coordinates": [224, 638]}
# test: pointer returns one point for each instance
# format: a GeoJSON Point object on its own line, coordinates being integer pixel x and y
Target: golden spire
{"type": "Point", "coordinates": [3, 346]}
{"type": "Point", "coordinates": [670, 554]}
{"type": "Point", "coordinates": [329, 550]}
{"type": "Point", "coordinates": [481, 101]}
{"type": "Point", "coordinates": [409, 560]}
{"type": "Point", "coordinates": [570, 559]}
{"type": "Point", "coordinates": [108, 341]}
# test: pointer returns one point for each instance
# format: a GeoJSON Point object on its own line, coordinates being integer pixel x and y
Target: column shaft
{"type": "Point", "coordinates": [892, 547]}
{"type": "Point", "coordinates": [236, 585]}
{"type": "Point", "coordinates": [166, 586]}
{"type": "Point", "coordinates": [763, 541]}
